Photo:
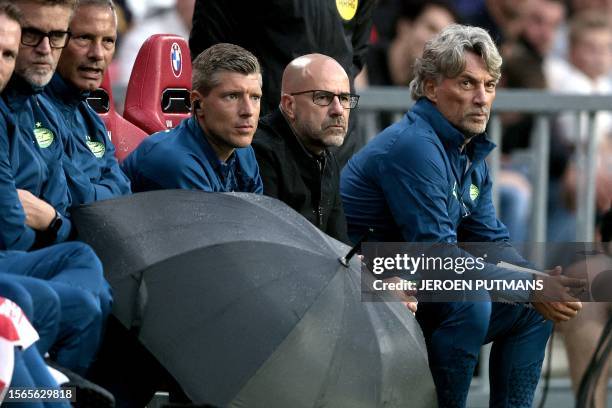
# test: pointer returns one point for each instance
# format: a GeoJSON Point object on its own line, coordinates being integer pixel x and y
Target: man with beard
{"type": "Point", "coordinates": [277, 31]}
{"type": "Point", "coordinates": [425, 180]}
{"type": "Point", "coordinates": [89, 161]}
{"type": "Point", "coordinates": [33, 190]}
{"type": "Point", "coordinates": [291, 142]}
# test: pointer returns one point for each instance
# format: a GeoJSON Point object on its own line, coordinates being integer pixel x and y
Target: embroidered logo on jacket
{"type": "Point", "coordinates": [44, 137]}
{"type": "Point", "coordinates": [97, 148]}
{"type": "Point", "coordinates": [347, 8]}
{"type": "Point", "coordinates": [474, 192]}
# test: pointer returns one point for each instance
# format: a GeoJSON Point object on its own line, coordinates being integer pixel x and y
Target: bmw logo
{"type": "Point", "coordinates": [176, 59]}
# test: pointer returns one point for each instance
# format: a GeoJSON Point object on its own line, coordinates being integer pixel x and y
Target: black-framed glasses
{"type": "Point", "coordinates": [325, 98]}
{"type": "Point", "coordinates": [32, 37]}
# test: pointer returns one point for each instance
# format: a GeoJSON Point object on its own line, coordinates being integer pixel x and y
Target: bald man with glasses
{"type": "Point", "coordinates": [291, 143]}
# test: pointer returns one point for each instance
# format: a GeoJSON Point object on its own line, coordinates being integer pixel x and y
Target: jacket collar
{"type": "Point", "coordinates": [452, 139]}
{"type": "Point", "coordinates": [277, 121]}
{"type": "Point", "coordinates": [18, 91]}
{"type": "Point", "coordinates": [209, 152]}
{"type": "Point", "coordinates": [64, 91]}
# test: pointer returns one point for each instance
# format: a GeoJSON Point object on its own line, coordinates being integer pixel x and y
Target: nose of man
{"type": "Point", "coordinates": [96, 51]}
{"type": "Point", "coordinates": [247, 107]}
{"type": "Point", "coordinates": [335, 108]}
{"type": "Point", "coordinates": [481, 97]}
{"type": "Point", "coordinates": [44, 47]}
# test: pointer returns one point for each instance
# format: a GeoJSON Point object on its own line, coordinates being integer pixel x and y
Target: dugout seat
{"type": "Point", "coordinates": [124, 135]}
{"type": "Point", "coordinates": [157, 95]}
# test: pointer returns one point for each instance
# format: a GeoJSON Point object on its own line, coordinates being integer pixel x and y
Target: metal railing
{"type": "Point", "coordinates": [544, 105]}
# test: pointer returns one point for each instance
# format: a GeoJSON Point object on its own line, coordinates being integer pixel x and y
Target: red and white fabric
{"type": "Point", "coordinates": [15, 331]}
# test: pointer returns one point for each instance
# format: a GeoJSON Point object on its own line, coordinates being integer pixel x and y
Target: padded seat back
{"type": "Point", "coordinates": [157, 95]}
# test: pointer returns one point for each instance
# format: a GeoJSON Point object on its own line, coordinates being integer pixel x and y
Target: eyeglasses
{"type": "Point", "coordinates": [325, 98]}
{"type": "Point", "coordinates": [32, 37]}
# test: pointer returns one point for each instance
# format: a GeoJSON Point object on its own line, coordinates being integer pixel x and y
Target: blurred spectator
{"type": "Point", "coordinates": [586, 71]}
{"type": "Point", "coordinates": [602, 6]}
{"type": "Point", "coordinates": [501, 18]}
{"type": "Point", "coordinates": [582, 334]}
{"type": "Point", "coordinates": [524, 63]}
{"type": "Point", "coordinates": [278, 31]}
{"type": "Point", "coordinates": [173, 17]}
{"type": "Point", "coordinates": [390, 61]}
{"type": "Point", "coordinates": [541, 22]}
{"type": "Point", "coordinates": [417, 22]}
{"type": "Point", "coordinates": [466, 8]}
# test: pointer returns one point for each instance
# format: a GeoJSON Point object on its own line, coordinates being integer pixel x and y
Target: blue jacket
{"type": "Point", "coordinates": [182, 158]}
{"type": "Point", "coordinates": [31, 156]}
{"type": "Point", "coordinates": [411, 183]}
{"type": "Point", "coordinates": [90, 165]}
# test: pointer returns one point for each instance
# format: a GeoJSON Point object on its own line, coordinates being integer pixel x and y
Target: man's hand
{"type": "Point", "coordinates": [39, 213]}
{"type": "Point", "coordinates": [554, 302]}
{"type": "Point", "coordinates": [405, 296]}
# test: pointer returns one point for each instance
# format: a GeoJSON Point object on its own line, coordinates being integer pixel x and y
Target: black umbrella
{"type": "Point", "coordinates": [246, 304]}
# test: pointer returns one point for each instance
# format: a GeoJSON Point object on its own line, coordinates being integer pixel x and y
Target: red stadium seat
{"type": "Point", "coordinates": [124, 135]}
{"type": "Point", "coordinates": [157, 95]}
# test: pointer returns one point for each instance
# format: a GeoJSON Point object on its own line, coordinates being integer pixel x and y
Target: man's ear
{"type": "Point", "coordinates": [196, 102]}
{"type": "Point", "coordinates": [430, 88]}
{"type": "Point", "coordinates": [287, 104]}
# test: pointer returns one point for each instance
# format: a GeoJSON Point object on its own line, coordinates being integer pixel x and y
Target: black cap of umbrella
{"type": "Point", "coordinates": [244, 302]}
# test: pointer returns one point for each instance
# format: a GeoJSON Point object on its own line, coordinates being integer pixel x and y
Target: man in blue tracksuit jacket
{"type": "Point", "coordinates": [30, 160]}
{"type": "Point", "coordinates": [90, 165]}
{"type": "Point", "coordinates": [92, 171]}
{"type": "Point", "coordinates": [211, 150]}
{"type": "Point", "coordinates": [33, 190]}
{"type": "Point", "coordinates": [424, 179]}
{"type": "Point", "coordinates": [183, 158]}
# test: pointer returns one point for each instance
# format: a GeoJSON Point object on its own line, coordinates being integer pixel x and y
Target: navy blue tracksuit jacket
{"type": "Point", "coordinates": [92, 171]}
{"type": "Point", "coordinates": [182, 158]}
{"type": "Point", "coordinates": [412, 183]}
{"type": "Point", "coordinates": [31, 155]}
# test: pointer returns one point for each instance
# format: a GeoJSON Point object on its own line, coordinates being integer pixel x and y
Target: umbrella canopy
{"type": "Point", "coordinates": [245, 303]}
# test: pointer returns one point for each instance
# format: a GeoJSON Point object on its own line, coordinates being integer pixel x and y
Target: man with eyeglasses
{"type": "Point", "coordinates": [89, 161]}
{"type": "Point", "coordinates": [211, 150]}
{"type": "Point", "coordinates": [34, 192]}
{"type": "Point", "coordinates": [291, 143]}
{"type": "Point", "coordinates": [41, 182]}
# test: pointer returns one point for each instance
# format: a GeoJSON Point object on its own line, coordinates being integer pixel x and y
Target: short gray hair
{"type": "Point", "coordinates": [100, 3]}
{"type": "Point", "coordinates": [444, 56]}
{"type": "Point", "coordinates": [110, 4]}
{"type": "Point", "coordinates": [11, 11]}
{"type": "Point", "coordinates": [218, 58]}
{"type": "Point", "coordinates": [50, 3]}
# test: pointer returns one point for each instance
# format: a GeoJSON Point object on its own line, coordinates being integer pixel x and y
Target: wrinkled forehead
{"type": "Point", "coordinates": [89, 15]}
{"type": "Point", "coordinates": [327, 77]}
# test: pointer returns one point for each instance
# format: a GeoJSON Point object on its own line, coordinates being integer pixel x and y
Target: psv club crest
{"type": "Point", "coordinates": [176, 59]}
